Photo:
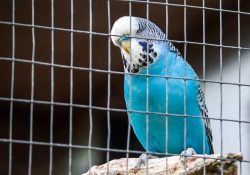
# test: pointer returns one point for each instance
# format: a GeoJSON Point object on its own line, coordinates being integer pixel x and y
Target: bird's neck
{"type": "Point", "coordinates": [166, 58]}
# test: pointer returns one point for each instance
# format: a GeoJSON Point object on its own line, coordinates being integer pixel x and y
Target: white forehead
{"type": "Point", "coordinates": [122, 27]}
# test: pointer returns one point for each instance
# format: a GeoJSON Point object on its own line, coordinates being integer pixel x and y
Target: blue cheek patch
{"type": "Point", "coordinates": [144, 46]}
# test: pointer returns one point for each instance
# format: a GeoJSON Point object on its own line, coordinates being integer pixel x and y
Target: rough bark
{"type": "Point", "coordinates": [194, 166]}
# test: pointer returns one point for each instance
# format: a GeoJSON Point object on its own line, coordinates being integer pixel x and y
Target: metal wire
{"type": "Point", "coordinates": [147, 92]}
{"type": "Point", "coordinates": [32, 87]}
{"type": "Point", "coordinates": [117, 72]}
{"type": "Point", "coordinates": [130, 91]}
{"type": "Point", "coordinates": [110, 150]}
{"type": "Point", "coordinates": [221, 101]}
{"type": "Point", "coordinates": [115, 109]}
{"type": "Point", "coordinates": [52, 90]}
{"type": "Point", "coordinates": [187, 6]}
{"type": "Point", "coordinates": [109, 72]}
{"type": "Point", "coordinates": [204, 77]}
{"type": "Point", "coordinates": [105, 34]}
{"type": "Point", "coordinates": [166, 90]}
{"type": "Point", "coordinates": [239, 62]}
{"type": "Point", "coordinates": [90, 85]}
{"type": "Point", "coordinates": [109, 86]}
{"type": "Point", "coordinates": [12, 86]}
{"type": "Point", "coordinates": [71, 86]}
{"type": "Point", "coordinates": [185, 93]}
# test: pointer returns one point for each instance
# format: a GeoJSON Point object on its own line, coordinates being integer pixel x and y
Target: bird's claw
{"type": "Point", "coordinates": [142, 160]}
{"type": "Point", "coordinates": [189, 151]}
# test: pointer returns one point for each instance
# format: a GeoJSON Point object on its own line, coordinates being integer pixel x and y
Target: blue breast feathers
{"type": "Point", "coordinates": [157, 103]}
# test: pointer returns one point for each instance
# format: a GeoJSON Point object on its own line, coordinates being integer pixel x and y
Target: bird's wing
{"type": "Point", "coordinates": [204, 112]}
{"type": "Point", "coordinates": [202, 105]}
{"type": "Point", "coordinates": [172, 48]}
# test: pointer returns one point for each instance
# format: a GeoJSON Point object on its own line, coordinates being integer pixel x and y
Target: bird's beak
{"type": "Point", "coordinates": [125, 43]}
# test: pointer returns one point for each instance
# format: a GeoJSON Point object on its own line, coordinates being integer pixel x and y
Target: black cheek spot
{"type": "Point", "coordinates": [124, 61]}
{"type": "Point", "coordinates": [155, 54]}
{"type": "Point", "coordinates": [133, 65]}
{"type": "Point", "coordinates": [135, 70]}
{"type": "Point", "coordinates": [143, 55]}
{"type": "Point", "coordinates": [128, 68]}
{"type": "Point", "coordinates": [140, 60]}
{"type": "Point", "coordinates": [149, 59]}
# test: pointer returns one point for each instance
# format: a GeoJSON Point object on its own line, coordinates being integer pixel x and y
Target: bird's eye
{"type": "Point", "coordinates": [138, 32]}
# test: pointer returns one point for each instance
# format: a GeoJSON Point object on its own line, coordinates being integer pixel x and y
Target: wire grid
{"type": "Point", "coordinates": [109, 72]}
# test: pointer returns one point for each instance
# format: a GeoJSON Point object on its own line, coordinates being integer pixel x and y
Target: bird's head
{"type": "Point", "coordinates": [131, 41]}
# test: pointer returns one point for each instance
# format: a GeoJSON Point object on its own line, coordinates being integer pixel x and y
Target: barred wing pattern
{"type": "Point", "coordinates": [204, 112]}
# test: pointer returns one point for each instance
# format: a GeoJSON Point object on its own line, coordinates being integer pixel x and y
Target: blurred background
{"type": "Point", "coordinates": [231, 107]}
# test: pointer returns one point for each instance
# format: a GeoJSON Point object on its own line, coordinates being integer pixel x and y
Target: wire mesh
{"type": "Point", "coordinates": [203, 74]}
{"type": "Point", "coordinates": [90, 84]}
{"type": "Point", "coordinates": [221, 103]}
{"type": "Point", "coordinates": [109, 72]}
{"type": "Point", "coordinates": [52, 90]}
{"type": "Point", "coordinates": [166, 88]}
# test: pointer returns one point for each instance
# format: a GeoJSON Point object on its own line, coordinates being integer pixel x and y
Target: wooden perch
{"type": "Point", "coordinates": [175, 166]}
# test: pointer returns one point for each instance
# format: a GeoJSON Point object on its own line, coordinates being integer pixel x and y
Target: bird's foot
{"type": "Point", "coordinates": [143, 160]}
{"type": "Point", "coordinates": [189, 151]}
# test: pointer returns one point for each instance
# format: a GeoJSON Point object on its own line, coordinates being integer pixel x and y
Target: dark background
{"type": "Point", "coordinates": [42, 76]}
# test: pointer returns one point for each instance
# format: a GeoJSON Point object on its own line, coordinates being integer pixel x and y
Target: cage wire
{"type": "Point", "coordinates": [109, 72]}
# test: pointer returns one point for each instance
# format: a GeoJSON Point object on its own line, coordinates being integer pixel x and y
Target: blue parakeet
{"type": "Point", "coordinates": [152, 55]}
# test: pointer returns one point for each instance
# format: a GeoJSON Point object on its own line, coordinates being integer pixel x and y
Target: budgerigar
{"type": "Point", "coordinates": [154, 55]}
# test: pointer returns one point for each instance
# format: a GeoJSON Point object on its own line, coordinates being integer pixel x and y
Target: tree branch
{"type": "Point", "coordinates": [194, 166]}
